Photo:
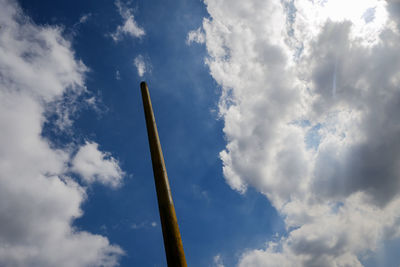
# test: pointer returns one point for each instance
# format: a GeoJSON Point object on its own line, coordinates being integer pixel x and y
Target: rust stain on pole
{"type": "Point", "coordinates": [172, 237]}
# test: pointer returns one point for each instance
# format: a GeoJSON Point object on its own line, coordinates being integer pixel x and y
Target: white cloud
{"type": "Point", "coordinates": [196, 36]}
{"type": "Point", "coordinates": [84, 18]}
{"type": "Point", "coordinates": [309, 93]}
{"type": "Point", "coordinates": [218, 261]}
{"type": "Point", "coordinates": [140, 65]}
{"type": "Point", "coordinates": [96, 166]}
{"type": "Point", "coordinates": [129, 26]}
{"type": "Point", "coordinates": [38, 201]}
{"type": "Point", "coordinates": [117, 75]}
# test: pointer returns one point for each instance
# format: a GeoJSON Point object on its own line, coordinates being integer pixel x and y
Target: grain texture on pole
{"type": "Point", "coordinates": [172, 237]}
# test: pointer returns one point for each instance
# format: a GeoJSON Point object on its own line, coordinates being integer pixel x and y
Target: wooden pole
{"type": "Point", "coordinates": [172, 237]}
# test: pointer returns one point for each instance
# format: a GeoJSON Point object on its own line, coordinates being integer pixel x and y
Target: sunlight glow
{"type": "Point", "coordinates": [368, 17]}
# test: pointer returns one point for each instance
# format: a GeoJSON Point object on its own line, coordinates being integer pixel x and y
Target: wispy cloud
{"type": "Point", "coordinates": [218, 261]}
{"type": "Point", "coordinates": [84, 18]}
{"type": "Point", "coordinates": [143, 225]}
{"type": "Point", "coordinates": [129, 26]}
{"type": "Point", "coordinates": [140, 65]}
{"type": "Point", "coordinates": [196, 36]}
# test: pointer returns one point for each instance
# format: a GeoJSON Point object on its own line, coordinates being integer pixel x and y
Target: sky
{"type": "Point", "coordinates": [278, 121]}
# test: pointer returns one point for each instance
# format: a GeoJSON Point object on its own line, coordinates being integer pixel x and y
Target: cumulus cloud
{"type": "Point", "coordinates": [96, 166]}
{"type": "Point", "coordinates": [38, 201]}
{"type": "Point", "coordinates": [140, 65]}
{"type": "Point", "coordinates": [129, 26]}
{"type": "Point", "coordinates": [310, 90]}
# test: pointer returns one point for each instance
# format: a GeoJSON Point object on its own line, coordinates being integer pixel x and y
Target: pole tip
{"type": "Point", "coordinates": [143, 84]}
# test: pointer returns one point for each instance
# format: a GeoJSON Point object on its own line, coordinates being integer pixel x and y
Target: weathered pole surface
{"type": "Point", "coordinates": [172, 237]}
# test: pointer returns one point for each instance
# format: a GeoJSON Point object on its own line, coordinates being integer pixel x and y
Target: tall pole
{"type": "Point", "coordinates": [172, 237]}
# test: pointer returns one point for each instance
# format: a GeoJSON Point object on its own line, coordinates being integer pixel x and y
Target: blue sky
{"type": "Point", "coordinates": [276, 118]}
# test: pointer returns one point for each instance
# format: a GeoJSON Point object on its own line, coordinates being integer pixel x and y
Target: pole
{"type": "Point", "coordinates": [172, 237]}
